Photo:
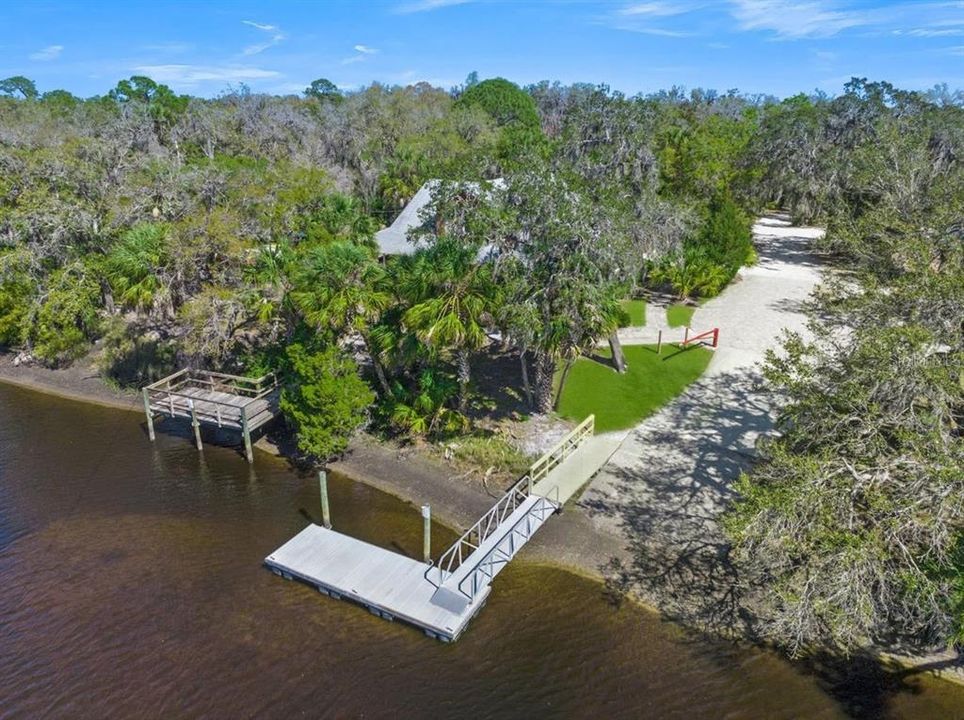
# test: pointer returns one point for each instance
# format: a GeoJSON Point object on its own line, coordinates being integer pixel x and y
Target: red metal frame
{"type": "Point", "coordinates": [715, 333]}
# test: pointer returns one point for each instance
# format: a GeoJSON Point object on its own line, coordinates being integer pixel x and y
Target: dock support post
{"type": "Point", "coordinates": [323, 487]}
{"type": "Point", "coordinates": [659, 343]}
{"type": "Point", "coordinates": [196, 424]}
{"type": "Point", "coordinates": [426, 533]}
{"type": "Point", "coordinates": [248, 452]}
{"type": "Point", "coordinates": [150, 417]}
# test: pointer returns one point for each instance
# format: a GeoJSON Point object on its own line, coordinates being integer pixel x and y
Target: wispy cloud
{"type": "Point", "coordinates": [645, 18]}
{"type": "Point", "coordinates": [929, 33]}
{"type": "Point", "coordinates": [51, 52]}
{"type": "Point", "coordinates": [275, 36]}
{"type": "Point", "coordinates": [190, 75]}
{"type": "Point", "coordinates": [426, 5]}
{"type": "Point", "coordinates": [362, 52]}
{"type": "Point", "coordinates": [653, 9]}
{"type": "Point", "coordinates": [792, 20]}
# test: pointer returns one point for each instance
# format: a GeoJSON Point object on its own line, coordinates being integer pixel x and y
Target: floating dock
{"type": "Point", "coordinates": [441, 597]}
{"type": "Point", "coordinates": [390, 585]}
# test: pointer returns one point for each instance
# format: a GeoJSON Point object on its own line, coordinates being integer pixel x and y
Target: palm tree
{"type": "Point", "coordinates": [342, 288]}
{"type": "Point", "coordinates": [457, 296]}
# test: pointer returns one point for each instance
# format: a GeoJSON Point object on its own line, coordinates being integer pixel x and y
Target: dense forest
{"type": "Point", "coordinates": [237, 233]}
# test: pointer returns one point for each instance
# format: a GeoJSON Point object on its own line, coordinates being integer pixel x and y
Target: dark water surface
{"type": "Point", "coordinates": [131, 585]}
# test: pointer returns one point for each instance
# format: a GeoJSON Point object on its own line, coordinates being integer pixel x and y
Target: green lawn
{"type": "Point", "coordinates": [679, 315]}
{"type": "Point", "coordinates": [636, 309]}
{"type": "Point", "coordinates": [620, 401]}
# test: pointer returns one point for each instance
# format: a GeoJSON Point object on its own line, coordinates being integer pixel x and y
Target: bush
{"type": "Point", "coordinates": [324, 399]}
{"type": "Point", "coordinates": [67, 320]}
{"type": "Point", "coordinates": [134, 355]}
{"type": "Point", "coordinates": [727, 236]}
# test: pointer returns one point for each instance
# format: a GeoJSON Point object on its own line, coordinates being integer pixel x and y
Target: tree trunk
{"type": "Point", "coordinates": [562, 381]}
{"type": "Point", "coordinates": [465, 375]}
{"type": "Point", "coordinates": [525, 377]}
{"type": "Point", "coordinates": [377, 367]}
{"type": "Point", "coordinates": [619, 360]}
{"type": "Point", "coordinates": [545, 369]}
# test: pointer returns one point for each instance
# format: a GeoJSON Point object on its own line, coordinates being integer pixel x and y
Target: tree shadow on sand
{"type": "Point", "coordinates": [666, 489]}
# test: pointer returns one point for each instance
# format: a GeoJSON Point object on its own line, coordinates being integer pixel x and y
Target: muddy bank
{"type": "Point", "coordinates": [81, 381]}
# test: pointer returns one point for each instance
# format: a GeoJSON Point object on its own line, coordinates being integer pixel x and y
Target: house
{"type": "Point", "coordinates": [393, 240]}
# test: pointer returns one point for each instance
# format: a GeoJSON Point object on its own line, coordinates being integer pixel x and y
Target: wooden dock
{"type": "Point", "coordinates": [216, 399]}
{"type": "Point", "coordinates": [438, 597]}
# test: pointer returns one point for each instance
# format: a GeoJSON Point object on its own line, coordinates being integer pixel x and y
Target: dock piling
{"type": "Point", "coordinates": [323, 487]}
{"type": "Point", "coordinates": [150, 416]}
{"type": "Point", "coordinates": [248, 452]}
{"type": "Point", "coordinates": [426, 533]}
{"type": "Point", "coordinates": [196, 424]}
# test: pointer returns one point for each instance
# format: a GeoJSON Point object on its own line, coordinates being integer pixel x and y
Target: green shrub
{"type": "Point", "coordinates": [67, 321]}
{"type": "Point", "coordinates": [325, 399]}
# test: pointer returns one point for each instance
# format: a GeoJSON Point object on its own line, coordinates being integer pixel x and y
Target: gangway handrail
{"type": "Point", "coordinates": [545, 506]}
{"type": "Point", "coordinates": [452, 558]}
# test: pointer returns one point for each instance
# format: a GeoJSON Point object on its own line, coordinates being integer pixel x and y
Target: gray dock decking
{"type": "Point", "coordinates": [387, 583]}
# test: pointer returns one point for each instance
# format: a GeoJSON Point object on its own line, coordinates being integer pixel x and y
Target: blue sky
{"type": "Point", "coordinates": [768, 46]}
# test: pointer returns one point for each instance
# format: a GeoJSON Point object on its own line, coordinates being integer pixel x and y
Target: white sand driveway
{"type": "Point", "coordinates": [664, 487]}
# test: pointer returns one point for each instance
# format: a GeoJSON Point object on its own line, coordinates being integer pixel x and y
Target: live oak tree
{"type": "Point", "coordinates": [851, 529]}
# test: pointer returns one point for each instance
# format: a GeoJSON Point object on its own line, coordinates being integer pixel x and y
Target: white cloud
{"type": "Point", "coordinates": [187, 75]}
{"type": "Point", "coordinates": [363, 51]}
{"type": "Point", "coordinates": [426, 5]}
{"type": "Point", "coordinates": [794, 20]}
{"type": "Point", "coordinates": [653, 9]}
{"type": "Point", "coordinates": [51, 52]}
{"type": "Point", "coordinates": [640, 18]}
{"type": "Point", "coordinates": [275, 36]}
{"type": "Point", "coordinates": [926, 33]}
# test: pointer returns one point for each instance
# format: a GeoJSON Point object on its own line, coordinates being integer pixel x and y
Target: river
{"type": "Point", "coordinates": [131, 585]}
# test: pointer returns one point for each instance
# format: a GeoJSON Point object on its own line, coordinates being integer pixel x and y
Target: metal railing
{"type": "Point", "coordinates": [489, 565]}
{"type": "Point", "coordinates": [470, 541]}
{"type": "Point", "coordinates": [562, 449]}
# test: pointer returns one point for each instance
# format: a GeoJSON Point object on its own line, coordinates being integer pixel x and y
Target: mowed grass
{"type": "Point", "coordinates": [621, 401]}
{"type": "Point", "coordinates": [679, 315]}
{"type": "Point", "coordinates": [636, 309]}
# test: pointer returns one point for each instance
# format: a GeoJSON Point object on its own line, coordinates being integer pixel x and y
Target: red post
{"type": "Point", "coordinates": [716, 337]}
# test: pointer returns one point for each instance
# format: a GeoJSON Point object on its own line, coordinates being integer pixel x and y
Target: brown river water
{"type": "Point", "coordinates": [131, 586]}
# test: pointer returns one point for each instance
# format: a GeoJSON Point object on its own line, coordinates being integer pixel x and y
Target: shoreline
{"type": "Point", "coordinates": [571, 542]}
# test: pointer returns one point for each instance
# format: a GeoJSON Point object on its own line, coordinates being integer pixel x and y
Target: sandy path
{"type": "Point", "coordinates": [664, 487]}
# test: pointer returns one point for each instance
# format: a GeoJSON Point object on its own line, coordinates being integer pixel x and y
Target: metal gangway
{"type": "Point", "coordinates": [466, 568]}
